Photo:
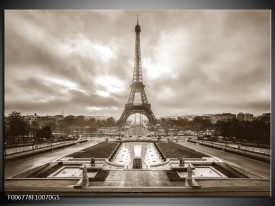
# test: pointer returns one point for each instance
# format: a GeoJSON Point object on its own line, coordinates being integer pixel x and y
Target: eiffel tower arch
{"type": "Point", "coordinates": [137, 86]}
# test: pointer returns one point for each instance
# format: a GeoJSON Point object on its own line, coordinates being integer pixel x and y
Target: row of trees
{"type": "Point", "coordinates": [16, 128]}
{"type": "Point", "coordinates": [252, 131]}
{"type": "Point", "coordinates": [70, 124]}
{"type": "Point", "coordinates": [197, 124]}
{"type": "Point", "coordinates": [80, 121]}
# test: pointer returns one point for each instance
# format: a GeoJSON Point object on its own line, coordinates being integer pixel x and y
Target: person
{"type": "Point", "coordinates": [92, 161]}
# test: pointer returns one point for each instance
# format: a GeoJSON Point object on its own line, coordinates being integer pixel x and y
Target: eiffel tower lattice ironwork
{"type": "Point", "coordinates": [137, 86]}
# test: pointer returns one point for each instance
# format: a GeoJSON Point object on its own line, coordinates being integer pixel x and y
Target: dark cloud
{"type": "Point", "coordinates": [82, 61]}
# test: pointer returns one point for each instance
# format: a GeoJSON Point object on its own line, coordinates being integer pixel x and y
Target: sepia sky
{"type": "Point", "coordinates": [81, 62]}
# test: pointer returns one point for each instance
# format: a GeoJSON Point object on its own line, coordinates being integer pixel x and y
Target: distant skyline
{"type": "Point", "coordinates": [81, 62]}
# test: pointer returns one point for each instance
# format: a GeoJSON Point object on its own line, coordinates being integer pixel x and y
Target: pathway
{"type": "Point", "coordinates": [258, 167]}
{"type": "Point", "coordinates": [37, 161]}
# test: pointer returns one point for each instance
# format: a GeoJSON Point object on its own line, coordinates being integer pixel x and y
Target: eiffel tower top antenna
{"type": "Point", "coordinates": [137, 19]}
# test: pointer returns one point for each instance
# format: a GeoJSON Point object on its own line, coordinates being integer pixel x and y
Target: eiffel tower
{"type": "Point", "coordinates": [137, 86]}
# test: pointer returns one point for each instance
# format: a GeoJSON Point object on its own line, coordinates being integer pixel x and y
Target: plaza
{"type": "Point", "coordinates": [61, 173]}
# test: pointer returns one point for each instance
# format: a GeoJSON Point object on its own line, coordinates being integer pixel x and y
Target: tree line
{"type": "Point", "coordinates": [256, 130]}
{"type": "Point", "coordinates": [17, 129]}
{"type": "Point", "coordinates": [252, 131]}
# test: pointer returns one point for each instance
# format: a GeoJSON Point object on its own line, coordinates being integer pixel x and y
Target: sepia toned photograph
{"type": "Point", "coordinates": [137, 103]}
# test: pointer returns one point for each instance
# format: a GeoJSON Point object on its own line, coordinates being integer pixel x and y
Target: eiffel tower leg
{"type": "Point", "coordinates": [124, 116]}
{"type": "Point", "coordinates": [133, 109]}
{"type": "Point", "coordinates": [150, 115]}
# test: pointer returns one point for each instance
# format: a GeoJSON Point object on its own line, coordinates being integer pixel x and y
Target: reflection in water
{"type": "Point", "coordinates": [149, 154]}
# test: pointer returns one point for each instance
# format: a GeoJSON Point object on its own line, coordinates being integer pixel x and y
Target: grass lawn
{"type": "Point", "coordinates": [100, 175]}
{"type": "Point", "coordinates": [173, 150]}
{"type": "Point", "coordinates": [101, 150]}
{"type": "Point", "coordinates": [45, 171]}
{"type": "Point", "coordinates": [173, 176]}
{"type": "Point", "coordinates": [228, 171]}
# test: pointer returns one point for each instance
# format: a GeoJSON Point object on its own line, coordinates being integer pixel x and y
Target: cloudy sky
{"type": "Point", "coordinates": [81, 62]}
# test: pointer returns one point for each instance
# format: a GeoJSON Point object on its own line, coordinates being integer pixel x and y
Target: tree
{"type": "Point", "coordinates": [69, 121]}
{"type": "Point", "coordinates": [44, 132]}
{"type": "Point", "coordinates": [92, 122]}
{"type": "Point", "coordinates": [165, 124]}
{"type": "Point", "coordinates": [34, 127]}
{"type": "Point", "coordinates": [183, 122]}
{"type": "Point", "coordinates": [254, 131]}
{"type": "Point", "coordinates": [61, 126]}
{"type": "Point", "coordinates": [17, 126]}
{"type": "Point", "coordinates": [111, 122]}
{"type": "Point", "coordinates": [80, 121]}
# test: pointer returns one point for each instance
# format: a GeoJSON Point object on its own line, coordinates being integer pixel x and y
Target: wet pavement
{"type": "Point", "coordinates": [149, 156]}
{"type": "Point", "coordinates": [10, 170]}
{"type": "Point", "coordinates": [255, 166]}
{"type": "Point", "coordinates": [132, 178]}
{"type": "Point", "coordinates": [138, 178]}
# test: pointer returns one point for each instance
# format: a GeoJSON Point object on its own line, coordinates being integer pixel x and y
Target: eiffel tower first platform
{"type": "Point", "coordinates": [137, 86]}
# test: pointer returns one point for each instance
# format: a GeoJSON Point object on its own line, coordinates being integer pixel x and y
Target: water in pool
{"type": "Point", "coordinates": [126, 153]}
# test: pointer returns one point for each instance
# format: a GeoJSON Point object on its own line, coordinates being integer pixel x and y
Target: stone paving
{"type": "Point", "coordinates": [137, 178]}
{"type": "Point", "coordinates": [262, 168]}
{"type": "Point", "coordinates": [128, 180]}
{"type": "Point", "coordinates": [10, 170]}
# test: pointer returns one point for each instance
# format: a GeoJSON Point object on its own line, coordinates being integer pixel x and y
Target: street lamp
{"type": "Point", "coordinates": [245, 148]}
{"type": "Point", "coordinates": [33, 148]}
{"type": "Point", "coordinates": [212, 142]}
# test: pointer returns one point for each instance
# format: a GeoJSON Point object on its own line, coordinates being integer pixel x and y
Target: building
{"type": "Point", "coordinates": [265, 117]}
{"type": "Point", "coordinates": [244, 117]}
{"type": "Point", "coordinates": [222, 117]}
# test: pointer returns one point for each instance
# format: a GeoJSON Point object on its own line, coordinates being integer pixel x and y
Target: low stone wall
{"type": "Point", "coordinates": [234, 183]}
{"type": "Point", "coordinates": [39, 182]}
{"type": "Point", "coordinates": [85, 159]}
{"type": "Point", "coordinates": [20, 149]}
{"type": "Point", "coordinates": [31, 153]}
{"type": "Point", "coordinates": [245, 172]}
{"type": "Point", "coordinates": [30, 171]}
{"type": "Point", "coordinates": [114, 164]}
{"type": "Point", "coordinates": [114, 152]}
{"type": "Point", "coordinates": [161, 164]}
{"type": "Point", "coordinates": [257, 156]}
{"type": "Point", "coordinates": [74, 162]}
{"type": "Point", "coordinates": [160, 152]}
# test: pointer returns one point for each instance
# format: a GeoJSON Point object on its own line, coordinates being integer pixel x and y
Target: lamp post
{"type": "Point", "coordinates": [245, 148]}
{"type": "Point", "coordinates": [33, 148]}
{"type": "Point", "coordinates": [86, 135]}
{"type": "Point", "coordinates": [212, 138]}
{"type": "Point", "coordinates": [52, 144]}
